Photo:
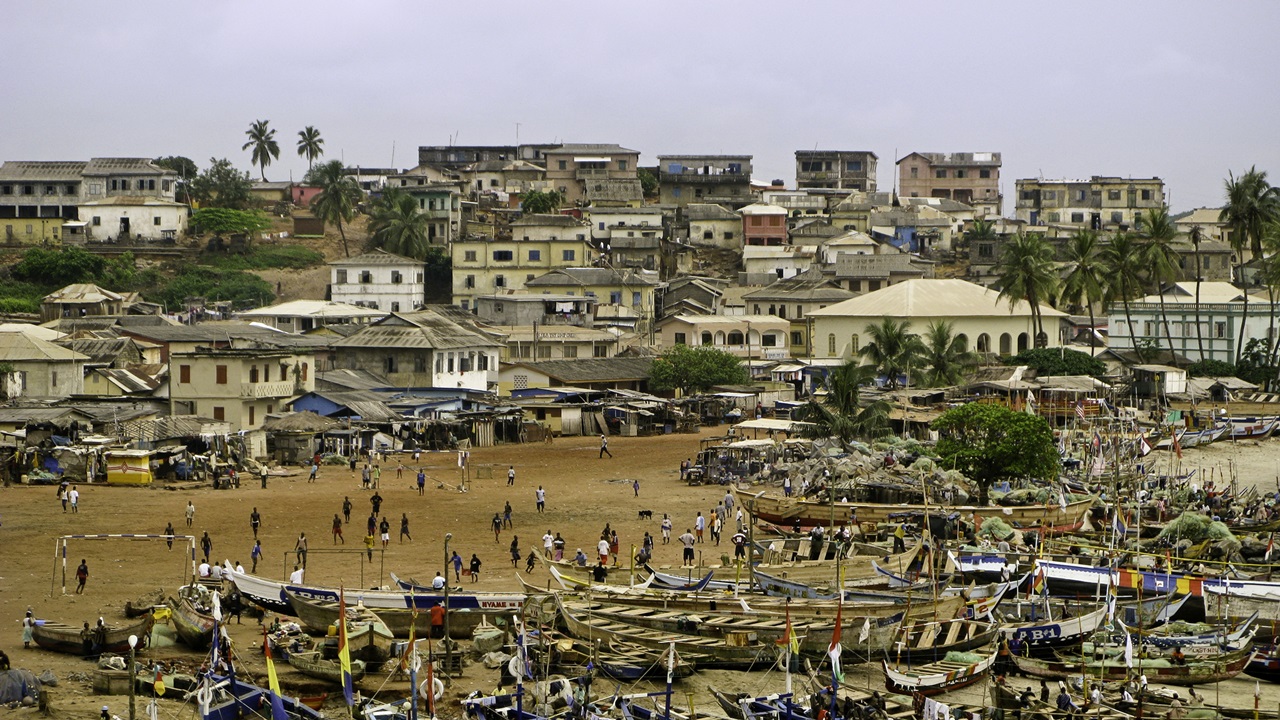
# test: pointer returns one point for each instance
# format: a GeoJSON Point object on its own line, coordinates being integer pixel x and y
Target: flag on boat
{"type": "Point", "coordinates": [865, 633]}
{"type": "Point", "coordinates": [344, 650]}
{"type": "Point", "coordinates": [159, 683]}
{"type": "Point", "coordinates": [789, 638]}
{"type": "Point", "coordinates": [1038, 583]}
{"type": "Point", "coordinates": [1080, 409]}
{"type": "Point", "coordinates": [1118, 525]}
{"type": "Point", "coordinates": [1144, 445]}
{"type": "Point", "coordinates": [1062, 499]}
{"type": "Point", "coordinates": [835, 649]}
{"type": "Point", "coordinates": [1177, 446]}
{"type": "Point", "coordinates": [1271, 541]}
{"type": "Point", "coordinates": [273, 682]}
{"type": "Point", "coordinates": [1031, 404]}
{"type": "Point", "coordinates": [1128, 649]}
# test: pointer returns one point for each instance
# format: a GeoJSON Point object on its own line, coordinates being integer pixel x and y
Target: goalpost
{"type": "Point", "coordinates": [60, 550]}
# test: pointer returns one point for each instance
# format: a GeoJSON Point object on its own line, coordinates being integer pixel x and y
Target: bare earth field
{"type": "Point", "coordinates": [583, 493]}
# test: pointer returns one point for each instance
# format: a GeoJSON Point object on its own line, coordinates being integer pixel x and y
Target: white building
{"type": "Point", "coordinates": [1220, 311]}
{"type": "Point", "coordinates": [299, 316]}
{"type": "Point", "coordinates": [122, 217]}
{"type": "Point", "coordinates": [379, 280]}
{"type": "Point", "coordinates": [422, 349]}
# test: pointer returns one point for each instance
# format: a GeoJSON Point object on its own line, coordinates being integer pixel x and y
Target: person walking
{"type": "Point", "coordinates": [28, 630]}
{"type": "Point", "coordinates": [301, 549]}
{"type": "Point", "coordinates": [457, 566]}
{"type": "Point", "coordinates": [366, 477]}
{"type": "Point", "coordinates": [368, 544]}
{"type": "Point", "coordinates": [548, 542]}
{"type": "Point", "coordinates": [377, 476]}
{"type": "Point", "coordinates": [315, 468]}
{"type": "Point", "coordinates": [346, 508]}
{"type": "Point", "coordinates": [385, 528]}
{"type": "Point", "coordinates": [404, 527]}
{"type": "Point", "coordinates": [541, 496]}
{"type": "Point", "coordinates": [475, 568]}
{"type": "Point", "coordinates": [515, 550]}
{"type": "Point", "coordinates": [717, 527]}
{"type": "Point", "coordinates": [168, 530]}
{"type": "Point", "coordinates": [687, 540]}
{"type": "Point", "coordinates": [614, 547]}
{"type": "Point", "coordinates": [255, 520]}
{"type": "Point", "coordinates": [511, 476]}
{"type": "Point", "coordinates": [604, 448]}
{"type": "Point", "coordinates": [635, 487]}
{"type": "Point", "coordinates": [666, 529]}
{"type": "Point", "coordinates": [558, 545]}
{"type": "Point", "coordinates": [82, 576]}
{"type": "Point", "coordinates": [337, 530]}
{"type": "Point", "coordinates": [376, 501]}
{"type": "Point", "coordinates": [422, 482]}
{"type": "Point", "coordinates": [255, 555]}
{"type": "Point", "coordinates": [74, 497]}
{"type": "Point", "coordinates": [262, 473]}
{"type": "Point", "coordinates": [506, 515]}
{"type": "Point", "coordinates": [191, 513]}
{"type": "Point", "coordinates": [739, 546]}
{"type": "Point", "coordinates": [206, 545]}
{"type": "Point", "coordinates": [62, 496]}
{"type": "Point", "coordinates": [496, 524]}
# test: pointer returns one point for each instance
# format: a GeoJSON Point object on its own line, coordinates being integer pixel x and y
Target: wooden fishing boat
{"type": "Point", "coordinates": [793, 549]}
{"type": "Point", "coordinates": [734, 651]}
{"type": "Point", "coordinates": [1008, 698]}
{"type": "Point", "coordinates": [271, 595]}
{"type": "Point", "coordinates": [1265, 664]}
{"type": "Point", "coordinates": [1158, 703]}
{"type": "Point", "coordinates": [858, 567]}
{"type": "Point", "coordinates": [1222, 605]}
{"type": "Point", "coordinates": [1158, 670]}
{"type": "Point", "coordinates": [569, 582]}
{"type": "Point", "coordinates": [564, 655]}
{"type": "Point", "coordinates": [231, 698]}
{"type": "Point", "coordinates": [925, 641]}
{"type": "Point", "coordinates": [318, 615]}
{"type": "Point", "coordinates": [368, 637]}
{"type": "Point", "coordinates": [1045, 634]}
{"type": "Point", "coordinates": [1051, 517]}
{"type": "Point", "coordinates": [191, 613]}
{"type": "Point", "coordinates": [63, 638]}
{"type": "Point", "coordinates": [313, 663]}
{"type": "Point", "coordinates": [1252, 428]}
{"type": "Point", "coordinates": [784, 585]}
{"type": "Point", "coordinates": [1170, 637]}
{"type": "Point", "coordinates": [954, 670]}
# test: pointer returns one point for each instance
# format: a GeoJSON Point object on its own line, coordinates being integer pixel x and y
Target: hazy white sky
{"type": "Point", "coordinates": [1185, 91]}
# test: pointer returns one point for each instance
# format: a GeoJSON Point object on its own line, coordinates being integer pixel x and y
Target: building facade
{"type": "Point", "coordinates": [422, 349]}
{"type": "Point", "coordinates": [720, 179]}
{"type": "Point", "coordinates": [971, 178]}
{"type": "Point", "coordinates": [379, 280]}
{"type": "Point", "coordinates": [538, 244]}
{"type": "Point", "coordinates": [746, 336]}
{"type": "Point", "coordinates": [836, 169]}
{"type": "Point", "coordinates": [581, 172]}
{"type": "Point", "coordinates": [1099, 203]}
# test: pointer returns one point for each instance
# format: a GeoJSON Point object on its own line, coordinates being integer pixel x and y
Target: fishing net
{"type": "Point", "coordinates": [994, 527]}
{"type": "Point", "coordinates": [1196, 528]}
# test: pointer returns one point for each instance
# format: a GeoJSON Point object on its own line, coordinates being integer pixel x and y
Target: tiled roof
{"type": "Point", "coordinates": [125, 166]}
{"type": "Point", "coordinates": [36, 170]}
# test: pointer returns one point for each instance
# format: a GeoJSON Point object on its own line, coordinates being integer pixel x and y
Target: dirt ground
{"type": "Point", "coordinates": [583, 493]}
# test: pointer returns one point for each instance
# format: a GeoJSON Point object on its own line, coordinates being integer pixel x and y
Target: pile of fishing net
{"type": "Point", "coordinates": [1195, 527]}
{"type": "Point", "coordinates": [995, 528]}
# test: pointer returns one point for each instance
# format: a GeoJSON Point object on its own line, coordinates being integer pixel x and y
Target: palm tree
{"type": "Point", "coordinates": [1123, 264]}
{"type": "Point", "coordinates": [1196, 237]}
{"type": "Point", "coordinates": [842, 414]}
{"type": "Point", "coordinates": [945, 356]}
{"type": "Point", "coordinates": [1269, 272]}
{"type": "Point", "coordinates": [893, 349]}
{"type": "Point", "coordinates": [1158, 232]}
{"type": "Point", "coordinates": [1252, 204]}
{"type": "Point", "coordinates": [1083, 284]}
{"type": "Point", "coordinates": [399, 226]}
{"type": "Point", "coordinates": [338, 197]}
{"type": "Point", "coordinates": [310, 145]}
{"type": "Point", "coordinates": [263, 141]}
{"type": "Point", "coordinates": [980, 230]}
{"type": "Point", "coordinates": [1026, 272]}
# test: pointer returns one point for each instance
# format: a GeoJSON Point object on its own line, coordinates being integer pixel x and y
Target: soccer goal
{"type": "Point", "coordinates": [60, 553]}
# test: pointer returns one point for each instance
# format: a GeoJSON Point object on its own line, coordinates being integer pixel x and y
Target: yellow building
{"type": "Point", "coordinates": [538, 243]}
{"type": "Point", "coordinates": [626, 296]}
{"type": "Point", "coordinates": [31, 230]}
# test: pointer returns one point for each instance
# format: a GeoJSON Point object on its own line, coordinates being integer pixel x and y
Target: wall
{"type": "Point", "coordinates": [30, 230]}
{"type": "Point", "coordinates": [51, 379]}
{"type": "Point", "coordinates": [477, 261]}
{"type": "Point", "coordinates": [380, 292]}
{"type": "Point", "coordinates": [851, 332]}
{"type": "Point", "coordinates": [142, 222]}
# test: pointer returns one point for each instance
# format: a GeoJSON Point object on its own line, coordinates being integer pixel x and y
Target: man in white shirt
{"type": "Point", "coordinates": [203, 570]}
{"type": "Point", "coordinates": [438, 583]}
{"type": "Point", "coordinates": [548, 542]}
{"type": "Point", "coordinates": [603, 548]}
{"type": "Point", "coordinates": [687, 540]}
{"type": "Point", "coordinates": [74, 497]}
{"type": "Point", "coordinates": [239, 567]}
{"type": "Point", "coordinates": [296, 576]}
{"type": "Point", "coordinates": [215, 573]}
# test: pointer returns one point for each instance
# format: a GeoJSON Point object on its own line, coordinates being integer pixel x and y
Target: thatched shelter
{"type": "Point", "coordinates": [293, 438]}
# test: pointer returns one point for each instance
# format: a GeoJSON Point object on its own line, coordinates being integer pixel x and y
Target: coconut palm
{"type": "Point", "coordinates": [1197, 237]}
{"type": "Point", "coordinates": [1083, 284]}
{"type": "Point", "coordinates": [337, 199]}
{"type": "Point", "coordinates": [842, 414]}
{"type": "Point", "coordinates": [399, 226]}
{"type": "Point", "coordinates": [893, 350]}
{"type": "Point", "coordinates": [263, 141]}
{"type": "Point", "coordinates": [1157, 232]}
{"type": "Point", "coordinates": [1123, 263]}
{"type": "Point", "coordinates": [945, 356]}
{"type": "Point", "coordinates": [980, 230]}
{"type": "Point", "coordinates": [1026, 272]}
{"type": "Point", "coordinates": [310, 145]}
{"type": "Point", "coordinates": [1252, 205]}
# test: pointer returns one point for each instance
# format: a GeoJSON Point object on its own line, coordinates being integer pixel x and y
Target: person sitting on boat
{"type": "Point", "coordinates": [1177, 657]}
{"type": "Point", "coordinates": [1175, 709]}
{"type": "Point", "coordinates": [438, 582]}
{"type": "Point", "coordinates": [1065, 703]}
{"type": "Point", "coordinates": [1196, 700]}
{"type": "Point", "coordinates": [1126, 697]}
{"type": "Point", "coordinates": [580, 559]}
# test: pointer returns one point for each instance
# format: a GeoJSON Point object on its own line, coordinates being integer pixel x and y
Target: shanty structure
{"type": "Point", "coordinates": [294, 438]}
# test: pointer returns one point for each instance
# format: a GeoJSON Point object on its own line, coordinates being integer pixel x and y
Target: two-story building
{"type": "Point", "coordinates": [605, 221]}
{"type": "Point", "coordinates": [38, 368]}
{"type": "Point", "coordinates": [557, 342]}
{"type": "Point", "coordinates": [510, 177]}
{"type": "Point", "coordinates": [379, 280]}
{"type": "Point", "coordinates": [538, 243]}
{"type": "Point", "coordinates": [300, 316]}
{"type": "Point", "coordinates": [720, 179]}
{"type": "Point", "coordinates": [627, 297]}
{"type": "Point", "coordinates": [972, 178]}
{"type": "Point", "coordinates": [525, 309]}
{"type": "Point", "coordinates": [422, 349]}
{"type": "Point", "coordinates": [764, 225]}
{"type": "Point", "coordinates": [836, 169]}
{"type": "Point", "coordinates": [713, 226]}
{"type": "Point", "coordinates": [1099, 203]}
{"type": "Point", "coordinates": [746, 336]}
{"type": "Point", "coordinates": [439, 199]}
{"type": "Point", "coordinates": [581, 172]}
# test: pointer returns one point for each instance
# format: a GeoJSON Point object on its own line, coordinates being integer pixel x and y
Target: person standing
{"type": "Point", "coordinates": [548, 542]}
{"type": "Point", "coordinates": [558, 546]}
{"type": "Point", "coordinates": [699, 524]}
{"type": "Point", "coordinates": [399, 469]}
{"type": "Point", "coordinates": [666, 529]}
{"type": "Point", "coordinates": [262, 473]}
{"type": "Point", "coordinates": [404, 527]}
{"type": "Point", "coordinates": [82, 576]}
{"type": "Point", "coordinates": [206, 545]}
{"type": "Point", "coordinates": [255, 520]}
{"type": "Point", "coordinates": [168, 530]}
{"type": "Point", "coordinates": [437, 619]}
{"type": "Point", "coordinates": [457, 566]}
{"type": "Point", "coordinates": [28, 630]}
{"type": "Point", "coordinates": [191, 513]}
{"type": "Point", "coordinates": [74, 497]}
{"type": "Point", "coordinates": [717, 526]}
{"type": "Point", "coordinates": [786, 486]}
{"type": "Point", "coordinates": [602, 549]}
{"type": "Point", "coordinates": [346, 508]}
{"type": "Point", "coordinates": [511, 476]}
{"type": "Point", "coordinates": [62, 495]}
{"type": "Point", "coordinates": [301, 549]}
{"type": "Point", "coordinates": [496, 525]}
{"type": "Point", "coordinates": [541, 496]}
{"type": "Point", "coordinates": [475, 568]}
{"type": "Point", "coordinates": [337, 530]}
{"type": "Point", "coordinates": [366, 476]}
{"type": "Point", "coordinates": [506, 515]}
{"type": "Point", "coordinates": [255, 555]}
{"type": "Point", "coordinates": [296, 576]}
{"type": "Point", "coordinates": [687, 540]}
{"type": "Point", "coordinates": [376, 501]}
{"type": "Point", "coordinates": [614, 547]}
{"type": "Point", "coordinates": [739, 546]}
{"type": "Point", "coordinates": [384, 528]}
{"type": "Point", "coordinates": [315, 468]}
{"type": "Point", "coordinates": [635, 487]}
{"type": "Point", "coordinates": [604, 448]}
{"type": "Point", "coordinates": [368, 544]}
{"type": "Point", "coordinates": [422, 482]}
{"type": "Point", "coordinates": [377, 476]}
{"type": "Point", "coordinates": [515, 550]}
{"type": "Point", "coordinates": [372, 524]}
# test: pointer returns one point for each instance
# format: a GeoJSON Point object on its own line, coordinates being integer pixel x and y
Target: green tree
{"type": "Point", "coordinates": [262, 139]}
{"type": "Point", "coordinates": [227, 221]}
{"type": "Point", "coordinates": [1211, 368]}
{"type": "Point", "coordinates": [60, 267]}
{"type": "Point", "coordinates": [1157, 232]}
{"type": "Point", "coordinates": [695, 369]}
{"type": "Point", "coordinates": [842, 414]}
{"type": "Point", "coordinates": [648, 183]}
{"type": "Point", "coordinates": [221, 185]}
{"type": "Point", "coordinates": [338, 197]}
{"type": "Point", "coordinates": [1083, 283]}
{"type": "Point", "coordinates": [1058, 361]}
{"type": "Point", "coordinates": [187, 171]}
{"type": "Point", "coordinates": [438, 275]}
{"type": "Point", "coordinates": [1122, 259]}
{"type": "Point", "coordinates": [310, 145]}
{"type": "Point", "coordinates": [538, 202]}
{"type": "Point", "coordinates": [980, 230]}
{"type": "Point", "coordinates": [1026, 272]}
{"type": "Point", "coordinates": [991, 443]}
{"type": "Point", "coordinates": [398, 225]}
{"type": "Point", "coordinates": [893, 350]}
{"type": "Point", "coordinates": [1252, 205]}
{"type": "Point", "coordinates": [945, 356]}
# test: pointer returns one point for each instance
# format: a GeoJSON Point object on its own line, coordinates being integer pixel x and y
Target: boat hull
{"type": "Point", "coordinates": [62, 638]}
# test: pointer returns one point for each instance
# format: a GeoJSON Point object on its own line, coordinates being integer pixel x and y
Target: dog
{"type": "Point", "coordinates": [646, 515]}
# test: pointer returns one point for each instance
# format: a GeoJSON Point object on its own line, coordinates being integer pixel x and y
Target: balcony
{"type": "Point", "coordinates": [591, 173]}
{"type": "Point", "coordinates": [279, 389]}
{"type": "Point", "coordinates": [704, 178]}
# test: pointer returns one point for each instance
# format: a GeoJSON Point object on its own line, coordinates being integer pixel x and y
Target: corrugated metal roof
{"type": "Point", "coordinates": [19, 347]}
{"type": "Point", "coordinates": [125, 166]}
{"type": "Point", "coordinates": [424, 329]}
{"type": "Point", "coordinates": [80, 293]}
{"type": "Point", "coordinates": [377, 257]}
{"type": "Point", "coordinates": [37, 170]}
{"type": "Point", "coordinates": [930, 299]}
{"type": "Point", "coordinates": [593, 369]}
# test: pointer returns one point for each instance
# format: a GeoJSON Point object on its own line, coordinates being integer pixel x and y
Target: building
{"type": "Point", "coordinates": [379, 280]}
{"type": "Point", "coordinates": [720, 179]}
{"type": "Point", "coordinates": [125, 218]}
{"type": "Point", "coordinates": [514, 309]}
{"type": "Point", "coordinates": [557, 342]}
{"type": "Point", "coordinates": [758, 337]}
{"type": "Point", "coordinates": [607, 221]}
{"type": "Point", "coordinates": [836, 169]}
{"type": "Point", "coordinates": [1208, 221]}
{"type": "Point", "coordinates": [801, 205]}
{"type": "Point", "coordinates": [439, 199]}
{"type": "Point", "coordinates": [1219, 315]}
{"type": "Point", "coordinates": [764, 265]}
{"type": "Point", "coordinates": [538, 244]}
{"type": "Point", "coordinates": [980, 318]}
{"type": "Point", "coordinates": [57, 191]}
{"type": "Point", "coordinates": [584, 173]}
{"type": "Point", "coordinates": [422, 349]}
{"type": "Point", "coordinates": [764, 225]}
{"type": "Point", "coordinates": [634, 292]}
{"type": "Point", "coordinates": [615, 373]}
{"type": "Point", "coordinates": [1100, 203]}
{"type": "Point", "coordinates": [510, 177]}
{"type": "Point", "coordinates": [971, 178]}
{"type": "Point", "coordinates": [713, 226]}
{"type": "Point", "coordinates": [38, 368]}
{"type": "Point", "coordinates": [300, 316]}
{"type": "Point", "coordinates": [794, 298]}
{"type": "Point", "coordinates": [80, 300]}
{"type": "Point", "coordinates": [370, 179]}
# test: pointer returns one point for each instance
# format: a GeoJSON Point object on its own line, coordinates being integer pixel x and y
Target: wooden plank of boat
{"type": "Point", "coordinates": [1157, 670]}
{"type": "Point", "coordinates": [318, 615]}
{"type": "Point", "coordinates": [955, 671]}
{"type": "Point", "coordinates": [64, 638]}
{"type": "Point", "coordinates": [193, 626]}
{"type": "Point", "coordinates": [855, 568]}
{"type": "Point", "coordinates": [312, 663]}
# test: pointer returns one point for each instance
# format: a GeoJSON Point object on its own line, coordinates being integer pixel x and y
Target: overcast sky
{"type": "Point", "coordinates": [1184, 91]}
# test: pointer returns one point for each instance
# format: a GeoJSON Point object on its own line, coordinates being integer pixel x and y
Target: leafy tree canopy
{"type": "Point", "coordinates": [1211, 368]}
{"type": "Point", "coordinates": [537, 202]}
{"type": "Point", "coordinates": [226, 221]}
{"type": "Point", "coordinates": [438, 274]}
{"type": "Point", "coordinates": [221, 185]}
{"type": "Point", "coordinates": [695, 369]}
{"type": "Point", "coordinates": [184, 166]}
{"type": "Point", "coordinates": [242, 288]}
{"type": "Point", "coordinates": [1059, 361]}
{"type": "Point", "coordinates": [60, 267]}
{"type": "Point", "coordinates": [991, 443]}
{"type": "Point", "coordinates": [648, 183]}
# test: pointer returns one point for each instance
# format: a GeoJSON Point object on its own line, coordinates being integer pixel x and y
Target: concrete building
{"type": "Point", "coordinates": [720, 179]}
{"type": "Point", "coordinates": [438, 198]}
{"type": "Point", "coordinates": [80, 300]}
{"type": "Point", "coordinates": [538, 244]}
{"type": "Point", "coordinates": [1100, 203]}
{"type": "Point", "coordinates": [39, 368]}
{"type": "Point", "coordinates": [605, 221]}
{"type": "Point", "coordinates": [519, 309]}
{"type": "Point", "coordinates": [124, 218]}
{"type": "Point", "coordinates": [422, 349]}
{"type": "Point", "coordinates": [300, 316]}
{"type": "Point", "coordinates": [762, 264]}
{"type": "Point", "coordinates": [1207, 220]}
{"type": "Point", "coordinates": [713, 226]}
{"type": "Point", "coordinates": [972, 178]}
{"type": "Point", "coordinates": [984, 322]}
{"type": "Point", "coordinates": [1220, 314]}
{"type": "Point", "coordinates": [557, 342]}
{"type": "Point", "coordinates": [626, 297]}
{"type": "Point", "coordinates": [379, 280]}
{"type": "Point", "coordinates": [585, 172]}
{"type": "Point", "coordinates": [836, 169]}
{"type": "Point", "coordinates": [512, 177]}
{"type": "Point", "coordinates": [58, 190]}
{"type": "Point", "coordinates": [758, 337]}
{"type": "Point", "coordinates": [764, 225]}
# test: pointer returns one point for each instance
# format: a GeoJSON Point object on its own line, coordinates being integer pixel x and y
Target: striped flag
{"type": "Point", "coordinates": [273, 682]}
{"type": "Point", "coordinates": [1080, 409]}
{"type": "Point", "coordinates": [835, 648]}
{"type": "Point", "coordinates": [1038, 582]}
{"type": "Point", "coordinates": [344, 651]}
{"type": "Point", "coordinates": [1117, 523]}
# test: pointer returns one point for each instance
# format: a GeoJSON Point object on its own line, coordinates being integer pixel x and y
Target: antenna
{"type": "Point", "coordinates": [517, 133]}
{"type": "Point", "coordinates": [393, 153]}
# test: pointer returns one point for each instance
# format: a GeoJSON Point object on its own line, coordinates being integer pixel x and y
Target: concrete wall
{"type": "Point", "coordinates": [380, 292]}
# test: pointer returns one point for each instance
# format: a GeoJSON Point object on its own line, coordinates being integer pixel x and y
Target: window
{"type": "Point", "coordinates": [915, 172]}
{"type": "Point", "coordinates": [706, 337]}
{"type": "Point", "coordinates": [535, 255]}
{"type": "Point", "coordinates": [340, 277]}
{"type": "Point", "coordinates": [728, 236]}
{"type": "Point", "coordinates": [184, 373]}
{"type": "Point", "coordinates": [1049, 194]}
{"type": "Point", "coordinates": [366, 276]}
{"type": "Point", "coordinates": [6, 189]}
{"type": "Point", "coordinates": [940, 174]}
{"type": "Point", "coordinates": [219, 413]}
{"type": "Point", "coordinates": [253, 373]}
{"type": "Point", "coordinates": [251, 415]}
{"type": "Point", "coordinates": [155, 220]}
{"type": "Point", "coordinates": [465, 362]}
{"type": "Point", "coordinates": [395, 307]}
{"type": "Point", "coordinates": [681, 339]}
{"type": "Point", "coordinates": [1220, 330]}
{"type": "Point", "coordinates": [1117, 217]}
{"type": "Point", "coordinates": [735, 338]}
{"type": "Point", "coordinates": [544, 351]}
{"type": "Point", "coordinates": [600, 351]}
{"type": "Point", "coordinates": [562, 165]}
{"type": "Point", "coordinates": [769, 340]}
{"type": "Point", "coordinates": [97, 220]}
{"type": "Point", "coordinates": [469, 282]}
{"type": "Point", "coordinates": [1077, 217]}
{"type": "Point", "coordinates": [635, 298]}
{"type": "Point", "coordinates": [50, 190]}
{"type": "Point", "coordinates": [831, 344]}
{"type": "Point", "coordinates": [1146, 194]}
{"type": "Point", "coordinates": [499, 281]}
{"type": "Point", "coordinates": [502, 255]}
{"type": "Point", "coordinates": [853, 166]}
{"type": "Point", "coordinates": [853, 344]}
{"type": "Point", "coordinates": [396, 277]}
{"type": "Point", "coordinates": [1052, 217]}
{"type": "Point", "coordinates": [984, 174]}
{"type": "Point", "coordinates": [960, 174]}
{"type": "Point", "coordinates": [622, 165]}
{"type": "Point", "coordinates": [797, 338]}
{"type": "Point", "coordinates": [567, 255]}
{"type": "Point", "coordinates": [1113, 194]}
{"type": "Point", "coordinates": [484, 361]}
{"type": "Point", "coordinates": [571, 351]}
{"type": "Point", "coordinates": [284, 372]}
{"type": "Point", "coordinates": [615, 297]}
{"type": "Point", "coordinates": [220, 374]}
{"type": "Point", "coordinates": [305, 368]}
{"type": "Point", "coordinates": [53, 377]}
{"type": "Point", "coordinates": [469, 256]}
{"type": "Point", "coordinates": [165, 186]}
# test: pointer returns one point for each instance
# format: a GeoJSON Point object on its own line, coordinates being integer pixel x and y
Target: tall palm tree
{"type": "Point", "coordinates": [1252, 204]}
{"type": "Point", "coordinates": [399, 226]}
{"type": "Point", "coordinates": [1026, 272]}
{"type": "Point", "coordinates": [1269, 272]}
{"type": "Point", "coordinates": [945, 356]}
{"type": "Point", "coordinates": [263, 141]}
{"type": "Point", "coordinates": [1196, 238]}
{"type": "Point", "coordinates": [310, 145]}
{"type": "Point", "coordinates": [1157, 232]}
{"type": "Point", "coordinates": [893, 349]}
{"type": "Point", "coordinates": [1083, 284]}
{"type": "Point", "coordinates": [336, 202]}
{"type": "Point", "coordinates": [1123, 263]}
{"type": "Point", "coordinates": [842, 413]}
{"type": "Point", "coordinates": [980, 230]}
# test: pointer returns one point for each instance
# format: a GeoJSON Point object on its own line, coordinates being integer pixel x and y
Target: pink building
{"type": "Point", "coordinates": [764, 224]}
{"type": "Point", "coordinates": [304, 194]}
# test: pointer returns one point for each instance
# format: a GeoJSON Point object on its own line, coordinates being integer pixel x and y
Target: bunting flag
{"type": "Point", "coordinates": [273, 682]}
{"type": "Point", "coordinates": [1177, 446]}
{"type": "Point", "coordinates": [835, 649]}
{"type": "Point", "coordinates": [344, 651]}
{"type": "Point", "coordinates": [789, 638]}
{"type": "Point", "coordinates": [159, 683]}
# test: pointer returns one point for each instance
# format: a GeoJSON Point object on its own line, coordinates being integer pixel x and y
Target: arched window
{"type": "Point", "coordinates": [719, 337]}
{"type": "Point", "coordinates": [984, 343]}
{"type": "Point", "coordinates": [853, 344]}
{"type": "Point", "coordinates": [963, 341]}
{"type": "Point", "coordinates": [706, 337]}
{"type": "Point", "coordinates": [304, 371]}
{"type": "Point", "coordinates": [1006, 344]}
{"type": "Point", "coordinates": [1022, 341]}
{"type": "Point", "coordinates": [831, 344]}
{"type": "Point", "coordinates": [735, 338]}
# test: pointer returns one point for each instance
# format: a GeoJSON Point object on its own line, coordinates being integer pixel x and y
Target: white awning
{"type": "Point", "coordinates": [591, 159]}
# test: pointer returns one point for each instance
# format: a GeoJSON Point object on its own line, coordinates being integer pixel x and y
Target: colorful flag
{"type": "Point", "coordinates": [1270, 543]}
{"type": "Point", "coordinates": [1146, 446]}
{"type": "Point", "coordinates": [789, 638]}
{"type": "Point", "coordinates": [1080, 409]}
{"type": "Point", "coordinates": [159, 684]}
{"type": "Point", "coordinates": [1118, 525]}
{"type": "Point", "coordinates": [344, 651]}
{"type": "Point", "coordinates": [277, 700]}
{"type": "Point", "coordinates": [1177, 446]}
{"type": "Point", "coordinates": [1038, 583]}
{"type": "Point", "coordinates": [1128, 650]}
{"type": "Point", "coordinates": [835, 649]}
